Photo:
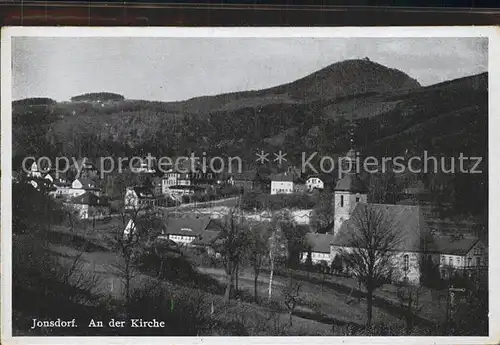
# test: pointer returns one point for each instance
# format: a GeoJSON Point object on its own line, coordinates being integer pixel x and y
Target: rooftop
{"type": "Point", "coordinates": [351, 183]}
{"type": "Point", "coordinates": [455, 246]}
{"type": "Point", "coordinates": [206, 238]}
{"type": "Point", "coordinates": [320, 243]}
{"type": "Point", "coordinates": [143, 192]}
{"type": "Point", "coordinates": [188, 226]}
{"type": "Point", "coordinates": [406, 222]}
{"type": "Point", "coordinates": [90, 199]}
{"type": "Point", "coordinates": [283, 177]}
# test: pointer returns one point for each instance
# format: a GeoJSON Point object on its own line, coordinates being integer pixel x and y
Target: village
{"type": "Point", "coordinates": [197, 204]}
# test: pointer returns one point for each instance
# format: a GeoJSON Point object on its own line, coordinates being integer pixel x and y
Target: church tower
{"type": "Point", "coordinates": [349, 191]}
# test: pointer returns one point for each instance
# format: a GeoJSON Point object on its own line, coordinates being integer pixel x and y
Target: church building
{"type": "Point", "coordinates": [351, 205]}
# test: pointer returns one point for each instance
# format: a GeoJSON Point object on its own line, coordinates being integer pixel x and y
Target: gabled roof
{"type": "Point", "coordinates": [90, 199]}
{"type": "Point", "coordinates": [351, 183]}
{"type": "Point", "coordinates": [206, 238]}
{"type": "Point", "coordinates": [215, 225]}
{"type": "Point", "coordinates": [186, 226]}
{"type": "Point", "coordinates": [407, 223]}
{"type": "Point", "coordinates": [283, 177]}
{"type": "Point", "coordinates": [320, 243]}
{"type": "Point", "coordinates": [455, 246]}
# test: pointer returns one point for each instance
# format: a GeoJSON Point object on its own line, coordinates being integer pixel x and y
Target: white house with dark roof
{"type": "Point", "coordinates": [463, 255]}
{"type": "Point", "coordinates": [282, 183]}
{"type": "Point", "coordinates": [186, 229]}
{"type": "Point", "coordinates": [82, 185]}
{"type": "Point", "coordinates": [319, 245]}
{"type": "Point", "coordinates": [320, 182]}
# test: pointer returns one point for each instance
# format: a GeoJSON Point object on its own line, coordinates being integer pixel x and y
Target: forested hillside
{"type": "Point", "coordinates": [389, 113]}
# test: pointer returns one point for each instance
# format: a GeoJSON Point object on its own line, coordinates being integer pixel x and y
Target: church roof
{"type": "Point", "coordinates": [407, 222]}
{"type": "Point", "coordinates": [351, 183]}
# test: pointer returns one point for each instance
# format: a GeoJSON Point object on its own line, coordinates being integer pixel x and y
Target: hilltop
{"type": "Point", "coordinates": [391, 114]}
{"type": "Point", "coordinates": [336, 81]}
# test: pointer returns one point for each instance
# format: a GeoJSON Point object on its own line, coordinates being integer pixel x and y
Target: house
{"type": "Point", "coordinates": [63, 188]}
{"type": "Point", "coordinates": [174, 178]}
{"type": "Point", "coordinates": [138, 198]}
{"type": "Point", "coordinates": [178, 191]}
{"type": "Point", "coordinates": [319, 245]}
{"type": "Point", "coordinates": [184, 230]}
{"type": "Point", "coordinates": [245, 180]}
{"type": "Point", "coordinates": [42, 185]}
{"type": "Point", "coordinates": [146, 223]}
{"type": "Point", "coordinates": [205, 241]}
{"type": "Point", "coordinates": [282, 183]}
{"type": "Point", "coordinates": [82, 185]}
{"type": "Point", "coordinates": [461, 255]}
{"type": "Point", "coordinates": [35, 171]}
{"type": "Point", "coordinates": [180, 174]}
{"type": "Point", "coordinates": [89, 206]}
{"type": "Point", "coordinates": [319, 182]}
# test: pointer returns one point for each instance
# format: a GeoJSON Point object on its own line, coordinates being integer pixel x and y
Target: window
{"type": "Point", "coordinates": [478, 261]}
{"type": "Point", "coordinates": [450, 261]}
{"type": "Point", "coordinates": [469, 261]}
{"type": "Point", "coordinates": [443, 260]}
{"type": "Point", "coordinates": [478, 251]}
{"type": "Point", "coordinates": [341, 201]}
{"type": "Point", "coordinates": [357, 199]}
{"type": "Point", "coordinates": [406, 261]}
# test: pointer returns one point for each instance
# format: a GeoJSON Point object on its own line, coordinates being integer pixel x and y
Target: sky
{"type": "Point", "coordinates": [174, 69]}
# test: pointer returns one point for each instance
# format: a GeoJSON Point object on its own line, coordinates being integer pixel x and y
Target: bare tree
{"type": "Point", "coordinates": [277, 248]}
{"type": "Point", "coordinates": [230, 244]}
{"type": "Point", "coordinates": [258, 243]}
{"type": "Point", "coordinates": [370, 249]}
{"type": "Point", "coordinates": [292, 296]}
{"type": "Point", "coordinates": [144, 225]}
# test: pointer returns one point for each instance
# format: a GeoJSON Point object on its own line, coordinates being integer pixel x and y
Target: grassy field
{"type": "Point", "coordinates": [323, 303]}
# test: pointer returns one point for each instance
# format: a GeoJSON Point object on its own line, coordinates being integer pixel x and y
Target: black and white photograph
{"type": "Point", "coordinates": [227, 182]}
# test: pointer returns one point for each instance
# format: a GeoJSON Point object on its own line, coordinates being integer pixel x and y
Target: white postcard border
{"type": "Point", "coordinates": [493, 161]}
